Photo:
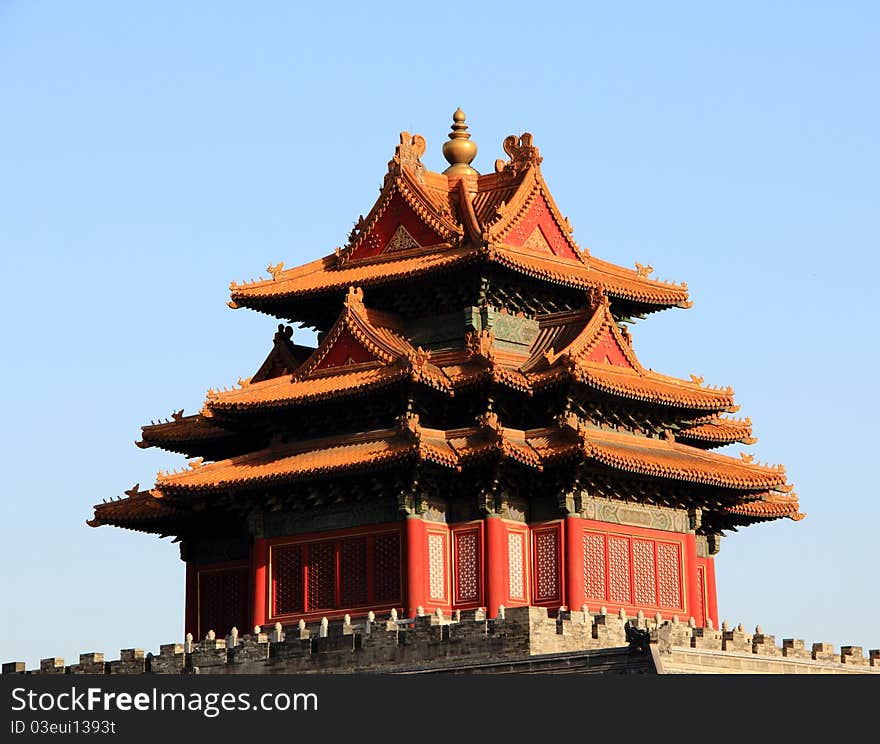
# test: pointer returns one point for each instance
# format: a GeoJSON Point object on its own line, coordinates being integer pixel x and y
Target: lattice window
{"type": "Point", "coordinates": [644, 576]}
{"type": "Point", "coordinates": [594, 566]}
{"type": "Point", "coordinates": [467, 566]}
{"type": "Point", "coordinates": [700, 614]}
{"type": "Point", "coordinates": [669, 574]}
{"type": "Point", "coordinates": [321, 576]}
{"type": "Point", "coordinates": [353, 572]}
{"type": "Point", "coordinates": [632, 570]}
{"type": "Point", "coordinates": [437, 565]}
{"type": "Point", "coordinates": [386, 568]}
{"type": "Point", "coordinates": [516, 569]}
{"type": "Point", "coordinates": [546, 565]}
{"type": "Point", "coordinates": [618, 569]}
{"type": "Point", "coordinates": [344, 573]}
{"type": "Point", "coordinates": [222, 597]}
{"type": "Point", "coordinates": [287, 580]}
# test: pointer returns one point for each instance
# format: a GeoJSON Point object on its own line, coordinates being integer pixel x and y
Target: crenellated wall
{"type": "Point", "coordinates": [518, 639]}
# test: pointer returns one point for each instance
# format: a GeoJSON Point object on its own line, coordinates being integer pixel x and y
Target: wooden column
{"type": "Point", "coordinates": [496, 564]}
{"type": "Point", "coordinates": [573, 563]}
{"type": "Point", "coordinates": [259, 582]}
{"type": "Point", "coordinates": [691, 578]}
{"type": "Point", "coordinates": [416, 568]}
{"type": "Point", "coordinates": [191, 601]}
{"type": "Point", "coordinates": [711, 594]}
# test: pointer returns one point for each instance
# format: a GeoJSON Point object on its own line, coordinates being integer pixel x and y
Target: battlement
{"type": "Point", "coordinates": [518, 639]}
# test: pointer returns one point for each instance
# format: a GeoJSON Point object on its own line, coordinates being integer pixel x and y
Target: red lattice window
{"type": "Point", "coordinates": [354, 572]}
{"type": "Point", "coordinates": [644, 575]}
{"type": "Point", "coordinates": [353, 589]}
{"type": "Point", "coordinates": [386, 567]}
{"type": "Point", "coordinates": [437, 565]}
{"type": "Point", "coordinates": [669, 574]}
{"type": "Point", "coordinates": [546, 565]}
{"type": "Point", "coordinates": [632, 571]}
{"type": "Point", "coordinates": [287, 580]}
{"type": "Point", "coordinates": [594, 566]}
{"type": "Point", "coordinates": [222, 600]}
{"type": "Point", "coordinates": [618, 570]}
{"type": "Point", "coordinates": [321, 576]}
{"type": "Point", "coordinates": [467, 566]}
{"type": "Point", "coordinates": [516, 564]}
{"type": "Point", "coordinates": [700, 613]}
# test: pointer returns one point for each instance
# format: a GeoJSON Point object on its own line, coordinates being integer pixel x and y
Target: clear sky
{"type": "Point", "coordinates": [152, 152]}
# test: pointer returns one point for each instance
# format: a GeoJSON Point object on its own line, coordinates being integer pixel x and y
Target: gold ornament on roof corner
{"type": "Point", "coordinates": [696, 379]}
{"type": "Point", "coordinates": [419, 358]}
{"type": "Point", "coordinates": [480, 343]}
{"type": "Point", "coordinates": [275, 270]}
{"type": "Point", "coordinates": [354, 299]}
{"type": "Point", "coordinates": [410, 425]}
{"type": "Point", "coordinates": [490, 420]}
{"type": "Point", "coordinates": [460, 150]}
{"type": "Point", "coordinates": [408, 155]}
{"type": "Point", "coordinates": [644, 270]}
{"type": "Point", "coordinates": [748, 459]}
{"type": "Point", "coordinates": [522, 153]}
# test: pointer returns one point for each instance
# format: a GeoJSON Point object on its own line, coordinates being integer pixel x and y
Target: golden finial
{"type": "Point", "coordinates": [459, 151]}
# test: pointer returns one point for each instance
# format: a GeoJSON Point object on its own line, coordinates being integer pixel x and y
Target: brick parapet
{"type": "Point", "coordinates": [392, 644]}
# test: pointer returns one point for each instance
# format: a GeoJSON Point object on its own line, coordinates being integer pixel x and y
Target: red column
{"type": "Point", "coordinates": [691, 579]}
{"type": "Point", "coordinates": [496, 564]}
{"type": "Point", "coordinates": [573, 564]}
{"type": "Point", "coordinates": [416, 570]}
{"type": "Point", "coordinates": [259, 582]}
{"type": "Point", "coordinates": [711, 595]}
{"type": "Point", "coordinates": [191, 601]}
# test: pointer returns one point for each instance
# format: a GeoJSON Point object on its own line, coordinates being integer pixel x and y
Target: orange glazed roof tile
{"type": "Point", "coordinates": [471, 220]}
{"type": "Point", "coordinates": [184, 428]}
{"type": "Point", "coordinates": [771, 505]}
{"type": "Point", "coordinates": [396, 359]}
{"type": "Point", "coordinates": [453, 448]}
{"type": "Point", "coordinates": [138, 509]}
{"type": "Point", "coordinates": [322, 275]}
{"type": "Point", "coordinates": [288, 390]}
{"type": "Point", "coordinates": [668, 459]}
{"type": "Point", "coordinates": [288, 462]}
{"type": "Point", "coordinates": [719, 431]}
{"type": "Point", "coordinates": [626, 377]}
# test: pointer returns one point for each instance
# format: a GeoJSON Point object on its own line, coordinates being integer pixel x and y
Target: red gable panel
{"type": "Point", "coordinates": [346, 350]}
{"type": "Point", "coordinates": [549, 238]}
{"type": "Point", "coordinates": [607, 350]}
{"type": "Point", "coordinates": [398, 214]}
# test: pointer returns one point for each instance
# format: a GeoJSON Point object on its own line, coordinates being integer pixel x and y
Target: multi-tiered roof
{"type": "Point", "coordinates": [464, 338]}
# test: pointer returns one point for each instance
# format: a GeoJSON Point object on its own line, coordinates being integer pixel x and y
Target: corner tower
{"type": "Point", "coordinates": [473, 429]}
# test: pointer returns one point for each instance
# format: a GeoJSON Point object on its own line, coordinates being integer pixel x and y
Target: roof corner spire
{"type": "Point", "coordinates": [460, 150]}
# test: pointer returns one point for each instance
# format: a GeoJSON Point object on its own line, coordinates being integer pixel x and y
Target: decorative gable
{"type": "Point", "coordinates": [607, 350]}
{"type": "Point", "coordinates": [345, 351]}
{"type": "Point", "coordinates": [396, 228]}
{"type": "Point", "coordinates": [284, 358]}
{"type": "Point", "coordinates": [537, 231]}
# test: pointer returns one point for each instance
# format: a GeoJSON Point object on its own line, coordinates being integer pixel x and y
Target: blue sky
{"type": "Point", "coordinates": [151, 153]}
